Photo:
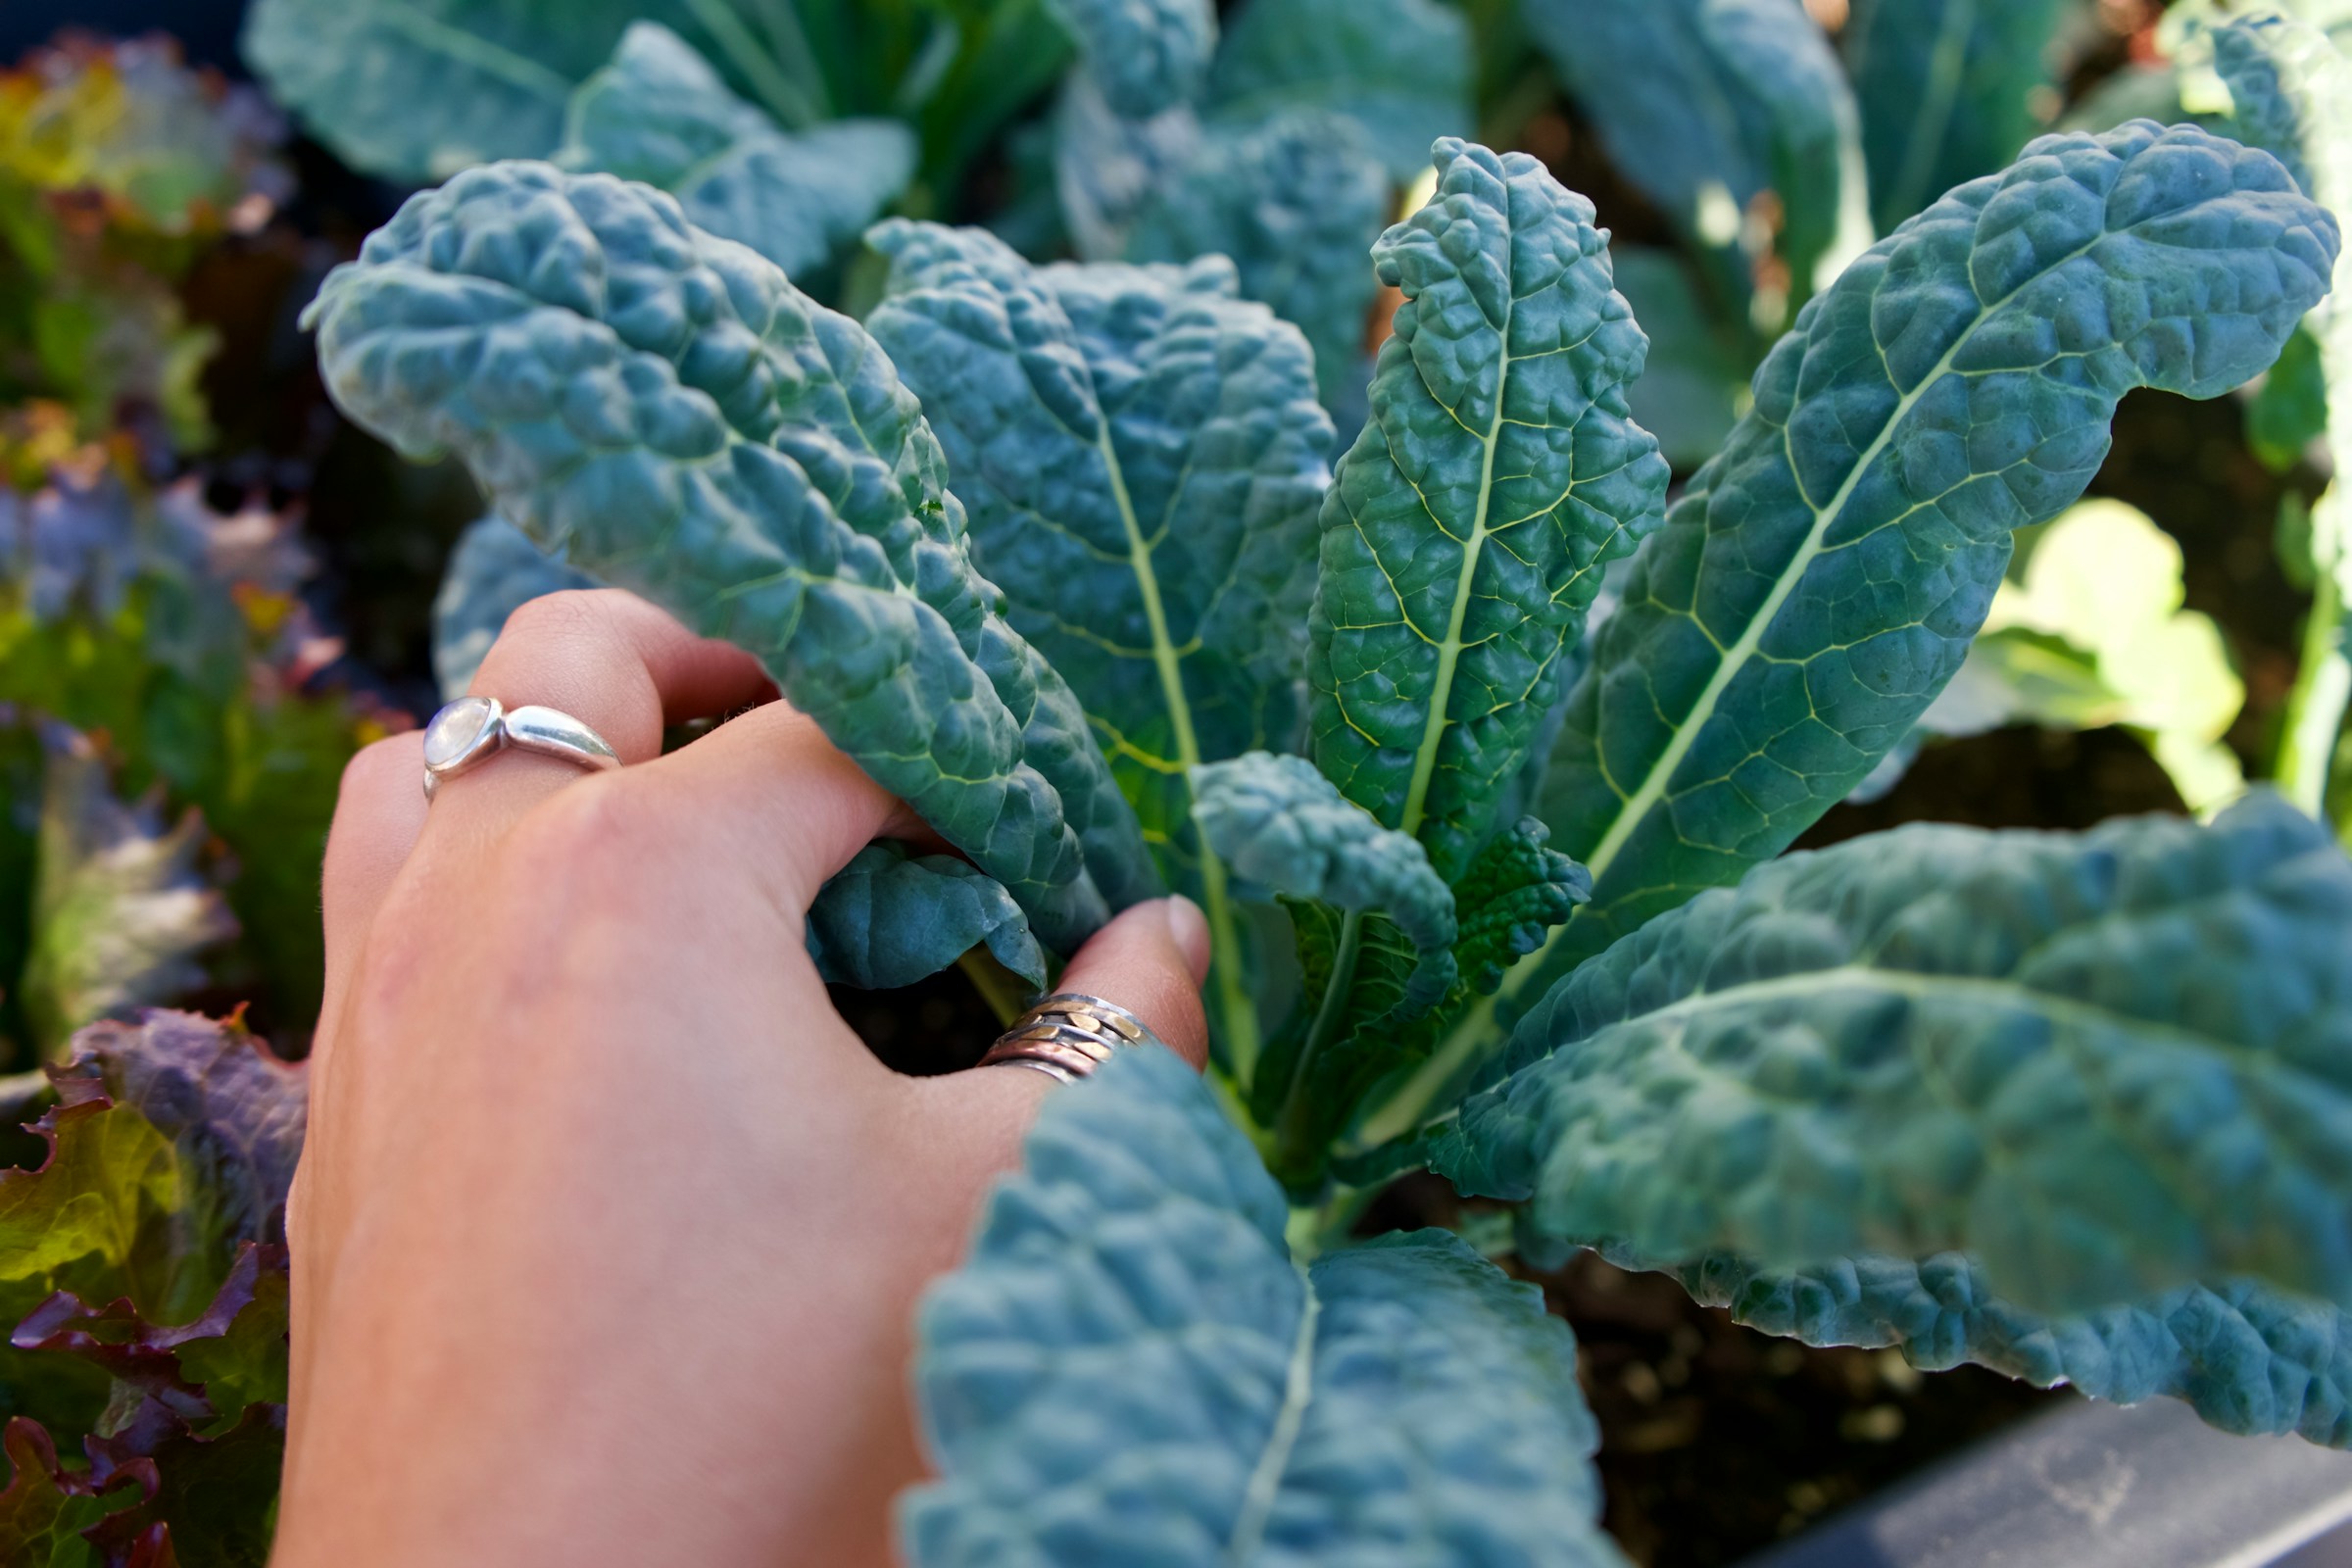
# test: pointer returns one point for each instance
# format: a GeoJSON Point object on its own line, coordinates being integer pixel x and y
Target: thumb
{"type": "Point", "coordinates": [1151, 961]}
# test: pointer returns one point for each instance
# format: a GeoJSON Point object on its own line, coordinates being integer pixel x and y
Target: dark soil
{"type": "Point", "coordinates": [1717, 1440]}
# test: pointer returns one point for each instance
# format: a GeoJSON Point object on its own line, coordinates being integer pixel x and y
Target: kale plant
{"type": "Point", "coordinates": [1128, 574]}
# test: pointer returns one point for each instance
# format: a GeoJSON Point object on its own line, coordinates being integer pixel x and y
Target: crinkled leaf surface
{"type": "Point", "coordinates": [1706, 103]}
{"type": "Point", "coordinates": [1401, 69]}
{"type": "Point", "coordinates": [1146, 56]}
{"type": "Point", "coordinates": [1141, 455]}
{"type": "Point", "coordinates": [888, 918]}
{"type": "Point", "coordinates": [2247, 1357]}
{"type": "Point", "coordinates": [1296, 203]}
{"type": "Point", "coordinates": [1131, 1369]}
{"type": "Point", "coordinates": [660, 114]}
{"type": "Point", "coordinates": [233, 1110]}
{"type": "Point", "coordinates": [1108, 166]}
{"type": "Point", "coordinates": [1818, 581]}
{"type": "Point", "coordinates": [2106, 1064]}
{"type": "Point", "coordinates": [665, 409]}
{"type": "Point", "coordinates": [1385, 1019]}
{"type": "Point", "coordinates": [494, 571]}
{"type": "Point", "coordinates": [1279, 825]}
{"type": "Point", "coordinates": [1464, 537]}
{"type": "Point", "coordinates": [1947, 90]}
{"type": "Point", "coordinates": [120, 911]}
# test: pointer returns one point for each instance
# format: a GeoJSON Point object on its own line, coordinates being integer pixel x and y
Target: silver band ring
{"type": "Point", "coordinates": [471, 730]}
{"type": "Point", "coordinates": [1067, 1036]}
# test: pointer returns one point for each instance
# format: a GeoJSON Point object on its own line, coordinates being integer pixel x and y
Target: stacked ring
{"type": "Point", "coordinates": [1067, 1036]}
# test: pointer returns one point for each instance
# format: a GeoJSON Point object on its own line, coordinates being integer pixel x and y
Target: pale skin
{"type": "Point", "coordinates": [608, 1234]}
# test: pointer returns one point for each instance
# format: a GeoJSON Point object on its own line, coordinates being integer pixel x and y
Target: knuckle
{"type": "Point", "coordinates": [557, 617]}
{"type": "Point", "coordinates": [590, 825]}
{"type": "Point", "coordinates": [394, 761]}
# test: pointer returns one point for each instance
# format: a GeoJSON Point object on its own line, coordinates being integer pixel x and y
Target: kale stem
{"type": "Point", "coordinates": [789, 101]}
{"type": "Point", "coordinates": [2315, 708]}
{"type": "Point", "coordinates": [1289, 1123]}
{"type": "Point", "coordinates": [1004, 992]}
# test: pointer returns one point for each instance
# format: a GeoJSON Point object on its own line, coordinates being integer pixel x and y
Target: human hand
{"type": "Point", "coordinates": [607, 1231]}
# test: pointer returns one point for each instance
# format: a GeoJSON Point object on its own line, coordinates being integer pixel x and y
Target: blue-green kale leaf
{"type": "Point", "coordinates": [1401, 69]}
{"type": "Point", "coordinates": [1141, 456]}
{"type": "Point", "coordinates": [660, 114]}
{"type": "Point", "coordinates": [2107, 1064]}
{"type": "Point", "coordinates": [1466, 535]}
{"type": "Point", "coordinates": [1146, 56]}
{"type": "Point", "coordinates": [494, 571]}
{"type": "Point", "coordinates": [419, 89]}
{"type": "Point", "coordinates": [1296, 203]}
{"type": "Point", "coordinates": [1132, 1368]}
{"type": "Point", "coordinates": [2245, 1357]}
{"type": "Point", "coordinates": [890, 917]}
{"type": "Point", "coordinates": [667, 411]}
{"type": "Point", "coordinates": [1820, 580]}
{"type": "Point", "coordinates": [1708, 105]}
{"type": "Point", "coordinates": [1949, 90]}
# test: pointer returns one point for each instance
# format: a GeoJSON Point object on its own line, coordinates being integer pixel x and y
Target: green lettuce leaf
{"type": "Point", "coordinates": [1949, 90]}
{"type": "Point", "coordinates": [670, 413]}
{"type": "Point", "coordinates": [494, 571]}
{"type": "Point", "coordinates": [888, 918]}
{"type": "Point", "coordinates": [2107, 1065]}
{"type": "Point", "coordinates": [2245, 1357]}
{"type": "Point", "coordinates": [46, 1507]}
{"type": "Point", "coordinates": [1706, 105]}
{"type": "Point", "coordinates": [660, 114]}
{"type": "Point", "coordinates": [1818, 581]}
{"type": "Point", "coordinates": [1132, 1368]}
{"type": "Point", "coordinates": [119, 911]}
{"type": "Point", "coordinates": [233, 1111]}
{"type": "Point", "coordinates": [1464, 537]}
{"type": "Point", "coordinates": [1296, 203]}
{"type": "Point", "coordinates": [1401, 69]}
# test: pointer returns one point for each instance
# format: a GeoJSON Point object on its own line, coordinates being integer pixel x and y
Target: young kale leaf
{"type": "Point", "coordinates": [888, 918]}
{"type": "Point", "coordinates": [2107, 1065]}
{"type": "Point", "coordinates": [1141, 456]}
{"type": "Point", "coordinates": [1227, 1403]}
{"type": "Point", "coordinates": [1820, 580]}
{"type": "Point", "coordinates": [1464, 537]}
{"type": "Point", "coordinates": [667, 411]}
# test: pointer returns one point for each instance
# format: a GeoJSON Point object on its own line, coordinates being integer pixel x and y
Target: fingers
{"type": "Point", "coordinates": [609, 660]}
{"type": "Point", "coordinates": [769, 795]}
{"type": "Point", "coordinates": [1151, 961]}
{"type": "Point", "coordinates": [378, 814]}
{"type": "Point", "coordinates": [962, 1129]}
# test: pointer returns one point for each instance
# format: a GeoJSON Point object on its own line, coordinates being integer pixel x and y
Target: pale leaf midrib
{"type": "Point", "coordinates": [1449, 652]}
{"type": "Point", "coordinates": [1403, 1113]}
{"type": "Point", "coordinates": [1265, 1478]}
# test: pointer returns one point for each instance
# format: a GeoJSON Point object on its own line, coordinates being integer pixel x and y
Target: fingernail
{"type": "Point", "coordinates": [1190, 927]}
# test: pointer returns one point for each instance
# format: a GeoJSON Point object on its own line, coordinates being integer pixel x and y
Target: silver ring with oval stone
{"type": "Point", "coordinates": [471, 730]}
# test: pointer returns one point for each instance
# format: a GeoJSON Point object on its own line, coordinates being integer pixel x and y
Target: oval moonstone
{"type": "Point", "coordinates": [455, 729]}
